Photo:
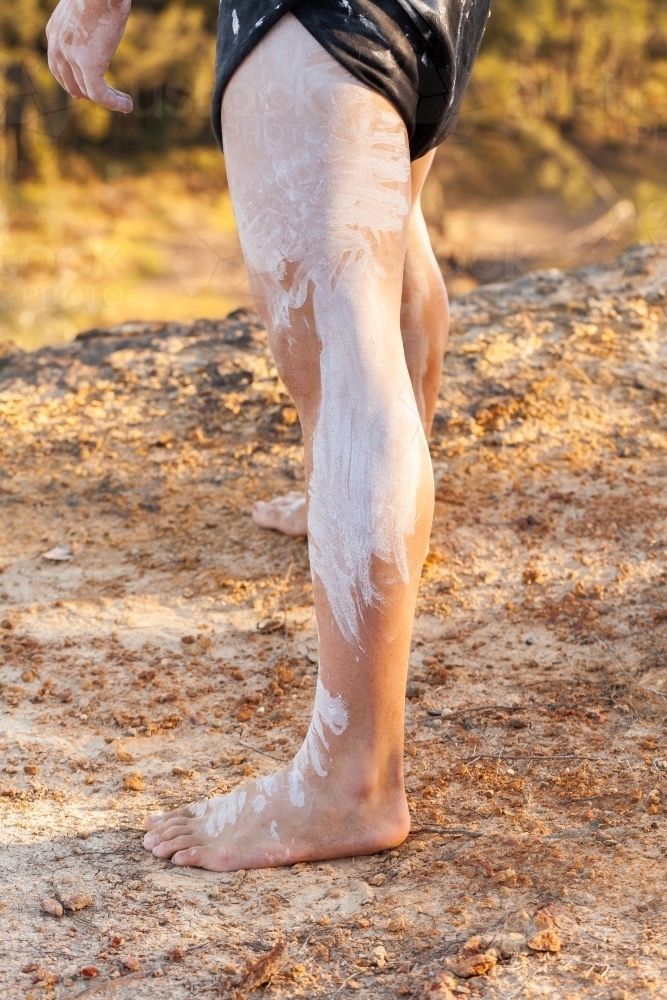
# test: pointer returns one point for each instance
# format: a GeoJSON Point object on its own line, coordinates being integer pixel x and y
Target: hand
{"type": "Point", "coordinates": [83, 36]}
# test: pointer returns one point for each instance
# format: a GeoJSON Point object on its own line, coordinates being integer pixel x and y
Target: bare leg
{"type": "Point", "coordinates": [424, 328]}
{"type": "Point", "coordinates": [424, 305]}
{"type": "Point", "coordinates": [320, 179]}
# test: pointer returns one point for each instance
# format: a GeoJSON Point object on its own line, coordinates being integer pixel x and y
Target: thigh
{"type": "Point", "coordinates": [319, 174]}
{"type": "Point", "coordinates": [419, 172]}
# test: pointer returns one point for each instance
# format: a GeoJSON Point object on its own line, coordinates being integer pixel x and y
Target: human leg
{"type": "Point", "coordinates": [320, 181]}
{"type": "Point", "coordinates": [424, 328]}
{"type": "Point", "coordinates": [424, 305]}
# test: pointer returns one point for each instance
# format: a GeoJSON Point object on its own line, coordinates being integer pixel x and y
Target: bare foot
{"type": "Point", "coordinates": [259, 826]}
{"type": "Point", "coordinates": [286, 514]}
{"type": "Point", "coordinates": [315, 808]}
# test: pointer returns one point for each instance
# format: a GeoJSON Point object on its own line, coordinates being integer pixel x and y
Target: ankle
{"type": "Point", "coordinates": [367, 779]}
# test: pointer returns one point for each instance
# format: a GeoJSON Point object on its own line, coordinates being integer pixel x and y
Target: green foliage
{"type": "Point", "coordinates": [576, 88]}
{"type": "Point", "coordinates": [564, 77]}
{"type": "Point", "coordinates": [596, 69]}
{"type": "Point", "coordinates": [165, 61]}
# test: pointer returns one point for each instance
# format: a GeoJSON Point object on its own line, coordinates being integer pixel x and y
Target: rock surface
{"type": "Point", "coordinates": [134, 674]}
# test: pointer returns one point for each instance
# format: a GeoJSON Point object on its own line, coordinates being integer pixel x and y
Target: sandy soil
{"type": "Point", "coordinates": [175, 653]}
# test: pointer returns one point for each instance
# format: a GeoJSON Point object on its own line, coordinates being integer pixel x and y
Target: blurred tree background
{"type": "Point", "coordinates": [558, 158]}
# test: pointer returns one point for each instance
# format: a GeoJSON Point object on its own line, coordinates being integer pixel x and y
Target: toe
{"type": "Point", "coordinates": [261, 514]}
{"type": "Point", "coordinates": [193, 856]}
{"type": "Point", "coordinates": [167, 848]}
{"type": "Point", "coordinates": [273, 513]}
{"type": "Point", "coordinates": [151, 821]}
{"type": "Point", "coordinates": [181, 811]}
{"type": "Point", "coordinates": [160, 820]}
{"type": "Point", "coordinates": [154, 837]}
{"type": "Point", "coordinates": [268, 516]}
{"type": "Point", "coordinates": [167, 831]}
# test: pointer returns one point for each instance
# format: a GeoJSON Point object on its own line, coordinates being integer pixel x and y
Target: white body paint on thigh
{"type": "Point", "coordinates": [329, 717]}
{"type": "Point", "coordinates": [338, 185]}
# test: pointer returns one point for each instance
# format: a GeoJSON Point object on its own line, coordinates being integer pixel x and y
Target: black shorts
{"type": "Point", "coordinates": [422, 66]}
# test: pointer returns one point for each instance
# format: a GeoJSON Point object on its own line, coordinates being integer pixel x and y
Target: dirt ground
{"type": "Point", "coordinates": [171, 652]}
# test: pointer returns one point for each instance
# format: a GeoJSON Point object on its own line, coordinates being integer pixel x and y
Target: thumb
{"type": "Point", "coordinates": [108, 97]}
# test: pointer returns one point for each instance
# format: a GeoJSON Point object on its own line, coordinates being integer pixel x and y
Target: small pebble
{"type": "Point", "coordinates": [78, 902]}
{"type": "Point", "coordinates": [379, 957]}
{"type": "Point", "coordinates": [51, 906]}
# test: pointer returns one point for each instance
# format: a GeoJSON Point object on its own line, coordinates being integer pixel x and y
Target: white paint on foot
{"type": "Point", "coordinates": [267, 785]}
{"type": "Point", "coordinates": [225, 809]}
{"type": "Point", "coordinates": [273, 830]}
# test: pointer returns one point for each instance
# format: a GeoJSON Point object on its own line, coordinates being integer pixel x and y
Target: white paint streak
{"type": "Point", "coordinates": [267, 785]}
{"type": "Point", "coordinates": [341, 189]}
{"type": "Point", "coordinates": [273, 830]}
{"type": "Point", "coordinates": [329, 713]}
{"type": "Point", "coordinates": [235, 22]}
{"type": "Point", "coordinates": [259, 804]}
{"type": "Point", "coordinates": [225, 810]}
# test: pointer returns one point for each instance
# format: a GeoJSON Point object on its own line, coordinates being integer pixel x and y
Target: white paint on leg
{"type": "Point", "coordinates": [329, 716]}
{"type": "Point", "coordinates": [341, 168]}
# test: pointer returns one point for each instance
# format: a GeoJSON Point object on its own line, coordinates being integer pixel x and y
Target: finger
{"type": "Point", "coordinates": [57, 64]}
{"type": "Point", "coordinates": [55, 72]}
{"type": "Point", "coordinates": [66, 78]}
{"type": "Point", "coordinates": [77, 72]}
{"type": "Point", "coordinates": [98, 90]}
